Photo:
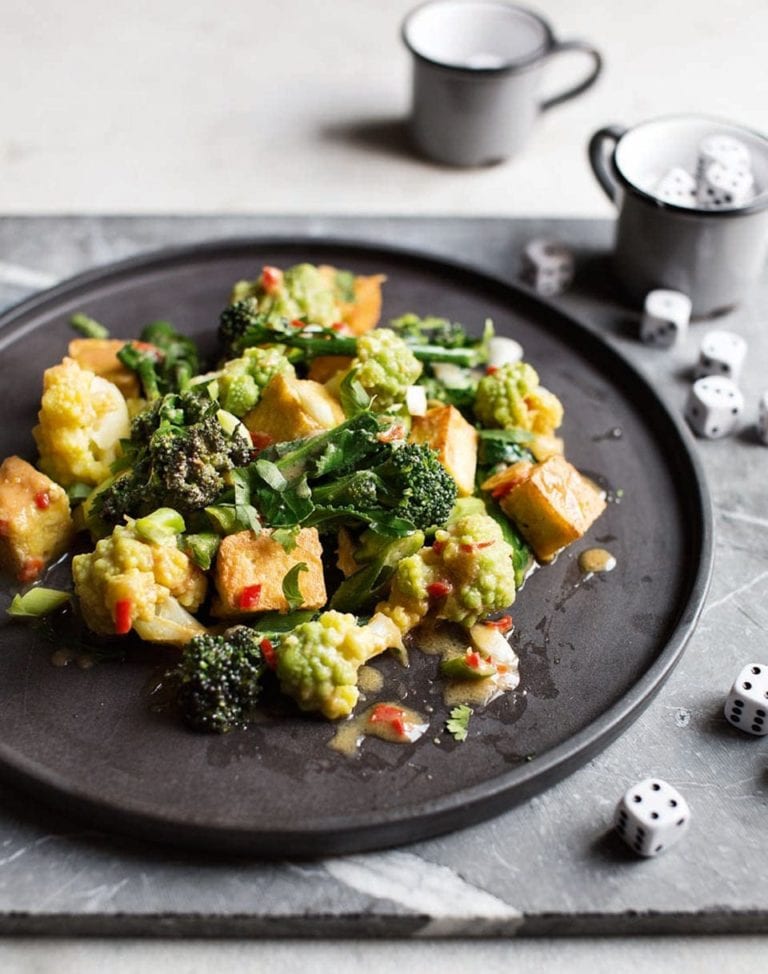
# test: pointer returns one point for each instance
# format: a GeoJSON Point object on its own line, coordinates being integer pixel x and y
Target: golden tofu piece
{"type": "Point", "coordinates": [455, 441]}
{"type": "Point", "coordinates": [250, 569]}
{"type": "Point", "coordinates": [325, 367]}
{"type": "Point", "coordinates": [99, 355]}
{"type": "Point", "coordinates": [35, 523]}
{"type": "Point", "coordinates": [363, 312]}
{"type": "Point", "coordinates": [290, 408]}
{"type": "Point", "coordinates": [345, 553]}
{"type": "Point", "coordinates": [553, 506]}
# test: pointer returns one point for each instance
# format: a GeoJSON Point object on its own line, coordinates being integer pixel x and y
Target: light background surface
{"type": "Point", "coordinates": [250, 105]}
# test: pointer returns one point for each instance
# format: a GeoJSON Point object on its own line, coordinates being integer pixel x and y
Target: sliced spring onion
{"type": "Point", "coordinates": [161, 526]}
{"type": "Point", "coordinates": [37, 602]}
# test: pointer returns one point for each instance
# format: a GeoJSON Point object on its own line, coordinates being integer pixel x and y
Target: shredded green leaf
{"type": "Point", "coordinates": [352, 396]}
{"type": "Point", "coordinates": [291, 589]}
{"type": "Point", "coordinates": [37, 602]}
{"type": "Point", "coordinates": [458, 722]}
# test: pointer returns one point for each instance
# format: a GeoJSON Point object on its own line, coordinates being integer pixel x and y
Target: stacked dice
{"type": "Point", "coordinates": [715, 402]}
{"type": "Point", "coordinates": [723, 178]}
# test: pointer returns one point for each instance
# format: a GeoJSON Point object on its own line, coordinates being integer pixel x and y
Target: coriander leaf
{"type": "Point", "coordinates": [352, 396]}
{"type": "Point", "coordinates": [291, 589]}
{"type": "Point", "coordinates": [458, 723]}
{"type": "Point", "coordinates": [270, 474]}
{"type": "Point", "coordinates": [286, 537]}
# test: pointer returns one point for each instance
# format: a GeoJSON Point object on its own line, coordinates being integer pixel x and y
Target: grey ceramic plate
{"type": "Point", "coordinates": [592, 652]}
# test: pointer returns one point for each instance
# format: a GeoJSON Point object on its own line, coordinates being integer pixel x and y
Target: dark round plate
{"type": "Point", "coordinates": [592, 652]}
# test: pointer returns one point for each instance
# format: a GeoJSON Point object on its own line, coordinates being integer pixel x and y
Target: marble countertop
{"type": "Point", "coordinates": [549, 866]}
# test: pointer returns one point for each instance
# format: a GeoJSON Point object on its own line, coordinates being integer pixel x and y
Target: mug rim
{"type": "Point", "coordinates": [513, 67]}
{"type": "Point", "coordinates": [760, 202]}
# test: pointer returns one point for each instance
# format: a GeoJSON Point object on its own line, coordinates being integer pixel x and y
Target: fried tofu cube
{"type": "Point", "coordinates": [455, 441]}
{"type": "Point", "coordinates": [362, 313]}
{"type": "Point", "coordinates": [35, 523]}
{"type": "Point", "coordinates": [553, 506]}
{"type": "Point", "coordinates": [290, 408]}
{"type": "Point", "coordinates": [325, 367]}
{"type": "Point", "coordinates": [250, 569]}
{"type": "Point", "coordinates": [99, 355]}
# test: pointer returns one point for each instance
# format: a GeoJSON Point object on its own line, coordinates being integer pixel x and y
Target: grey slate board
{"type": "Point", "coordinates": [550, 866]}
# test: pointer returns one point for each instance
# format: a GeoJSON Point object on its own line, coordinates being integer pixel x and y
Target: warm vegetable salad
{"type": "Point", "coordinates": [328, 489]}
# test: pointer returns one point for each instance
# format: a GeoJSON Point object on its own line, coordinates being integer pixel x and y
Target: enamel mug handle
{"type": "Point", "coordinates": [559, 47]}
{"type": "Point", "coordinates": [598, 157]}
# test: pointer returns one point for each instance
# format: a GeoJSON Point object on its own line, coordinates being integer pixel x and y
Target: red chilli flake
{"type": "Point", "coordinates": [42, 500]}
{"type": "Point", "coordinates": [503, 623]}
{"type": "Point", "coordinates": [472, 660]}
{"type": "Point", "coordinates": [476, 546]}
{"type": "Point", "coordinates": [438, 547]}
{"type": "Point", "coordinates": [249, 597]}
{"type": "Point", "coordinates": [396, 432]}
{"type": "Point", "coordinates": [261, 441]}
{"type": "Point", "coordinates": [268, 652]}
{"type": "Point", "coordinates": [438, 590]}
{"type": "Point", "coordinates": [271, 279]}
{"type": "Point", "coordinates": [385, 713]}
{"type": "Point", "coordinates": [30, 569]}
{"type": "Point", "coordinates": [490, 369]}
{"type": "Point", "coordinates": [123, 622]}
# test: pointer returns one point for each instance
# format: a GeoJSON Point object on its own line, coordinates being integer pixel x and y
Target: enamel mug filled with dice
{"type": "Point", "coordinates": [651, 817]}
{"type": "Point", "coordinates": [692, 200]}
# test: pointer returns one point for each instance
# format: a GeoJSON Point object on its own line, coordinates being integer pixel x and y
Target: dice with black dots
{"type": "Point", "coordinates": [652, 816]}
{"type": "Point", "coordinates": [746, 706]}
{"type": "Point", "coordinates": [714, 406]}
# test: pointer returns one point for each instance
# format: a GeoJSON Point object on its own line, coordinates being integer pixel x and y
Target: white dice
{"type": "Point", "coordinates": [714, 406]}
{"type": "Point", "coordinates": [665, 318]}
{"type": "Point", "coordinates": [747, 704]}
{"type": "Point", "coordinates": [723, 187]}
{"type": "Point", "coordinates": [721, 353]}
{"type": "Point", "coordinates": [547, 266]}
{"type": "Point", "coordinates": [678, 186]}
{"type": "Point", "coordinates": [762, 418]}
{"type": "Point", "coordinates": [652, 816]}
{"type": "Point", "coordinates": [724, 149]}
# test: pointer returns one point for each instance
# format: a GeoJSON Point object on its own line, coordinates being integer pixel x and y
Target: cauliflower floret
{"type": "Point", "coordinates": [126, 582]}
{"type": "Point", "coordinates": [511, 398]}
{"type": "Point", "coordinates": [466, 574]}
{"type": "Point", "coordinates": [242, 380]}
{"type": "Point", "coordinates": [319, 661]}
{"type": "Point", "coordinates": [83, 417]}
{"type": "Point", "coordinates": [385, 367]}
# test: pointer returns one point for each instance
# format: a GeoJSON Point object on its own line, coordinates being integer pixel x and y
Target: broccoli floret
{"type": "Point", "coordinates": [468, 573]}
{"type": "Point", "coordinates": [385, 366]}
{"type": "Point", "coordinates": [179, 452]}
{"type": "Point", "coordinates": [219, 679]}
{"type": "Point", "coordinates": [318, 662]}
{"type": "Point", "coordinates": [511, 398]}
{"type": "Point", "coordinates": [411, 482]}
{"type": "Point", "coordinates": [164, 360]}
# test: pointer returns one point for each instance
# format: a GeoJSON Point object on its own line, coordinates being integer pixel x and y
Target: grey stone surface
{"type": "Point", "coordinates": [549, 866]}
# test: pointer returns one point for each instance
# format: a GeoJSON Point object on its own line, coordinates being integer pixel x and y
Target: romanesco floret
{"type": "Point", "coordinates": [385, 367]}
{"type": "Point", "coordinates": [125, 582]}
{"type": "Point", "coordinates": [318, 661]}
{"type": "Point", "coordinates": [301, 291]}
{"type": "Point", "coordinates": [511, 398]}
{"type": "Point", "coordinates": [242, 380]}
{"type": "Point", "coordinates": [82, 418]}
{"type": "Point", "coordinates": [466, 574]}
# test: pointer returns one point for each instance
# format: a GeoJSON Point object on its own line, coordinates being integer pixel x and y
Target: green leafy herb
{"type": "Point", "coordinates": [78, 492]}
{"type": "Point", "coordinates": [291, 589]}
{"type": "Point", "coordinates": [88, 327]}
{"type": "Point", "coordinates": [458, 722]}
{"type": "Point", "coordinates": [202, 548]}
{"type": "Point", "coordinates": [287, 538]}
{"type": "Point", "coordinates": [352, 396]}
{"type": "Point", "coordinates": [37, 602]}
